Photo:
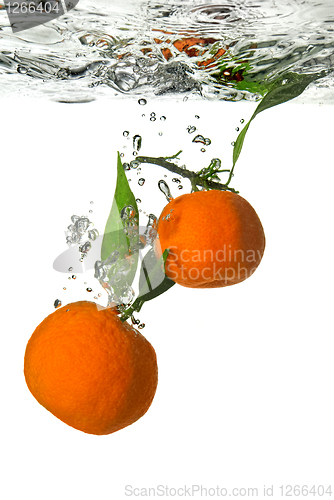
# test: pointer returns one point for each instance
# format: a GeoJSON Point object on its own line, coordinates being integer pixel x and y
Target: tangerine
{"type": "Point", "coordinates": [215, 239]}
{"type": "Point", "coordinates": [89, 369]}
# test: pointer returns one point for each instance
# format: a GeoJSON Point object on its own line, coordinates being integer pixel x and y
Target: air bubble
{"type": "Point", "coordinates": [88, 289]}
{"type": "Point", "coordinates": [126, 133]}
{"type": "Point", "coordinates": [74, 277]}
{"type": "Point", "coordinates": [141, 181]}
{"type": "Point", "coordinates": [142, 102]}
{"type": "Point", "coordinates": [135, 153]}
{"type": "Point", "coordinates": [242, 120]}
{"type": "Point", "coordinates": [180, 187]}
{"type": "Point", "coordinates": [138, 200]}
{"type": "Point", "coordinates": [141, 326]}
{"type": "Point", "coordinates": [232, 143]}
{"type": "Point", "coordinates": [191, 129]}
{"type": "Point", "coordinates": [237, 129]}
{"type": "Point", "coordinates": [176, 180]}
{"type": "Point", "coordinates": [57, 303]}
{"type": "Point", "coordinates": [70, 268]}
{"type": "Point", "coordinates": [64, 287]}
{"type": "Point", "coordinates": [126, 166]}
{"type": "Point", "coordinates": [203, 150]}
{"type": "Point", "coordinates": [160, 133]}
{"type": "Point", "coordinates": [197, 117]}
{"type": "Point", "coordinates": [153, 118]}
{"type": "Point", "coordinates": [162, 118]}
{"type": "Point", "coordinates": [137, 141]}
{"type": "Point", "coordinates": [164, 188]}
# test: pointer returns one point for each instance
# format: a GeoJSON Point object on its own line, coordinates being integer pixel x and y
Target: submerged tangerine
{"type": "Point", "coordinates": [89, 369]}
{"type": "Point", "coordinates": [215, 239]}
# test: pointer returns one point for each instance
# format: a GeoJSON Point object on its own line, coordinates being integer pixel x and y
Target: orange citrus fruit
{"type": "Point", "coordinates": [89, 369]}
{"type": "Point", "coordinates": [215, 238]}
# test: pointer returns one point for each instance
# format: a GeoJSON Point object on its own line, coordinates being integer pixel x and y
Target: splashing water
{"type": "Point", "coordinates": [206, 48]}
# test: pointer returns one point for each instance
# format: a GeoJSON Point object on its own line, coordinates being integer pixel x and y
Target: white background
{"type": "Point", "coordinates": [245, 394]}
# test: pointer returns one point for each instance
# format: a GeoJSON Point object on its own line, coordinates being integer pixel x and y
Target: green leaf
{"type": "Point", "coordinates": [114, 235]}
{"type": "Point", "coordinates": [287, 87]}
{"type": "Point", "coordinates": [153, 280]}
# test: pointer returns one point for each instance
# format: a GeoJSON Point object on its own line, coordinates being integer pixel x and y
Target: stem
{"type": "Point", "coordinates": [195, 179]}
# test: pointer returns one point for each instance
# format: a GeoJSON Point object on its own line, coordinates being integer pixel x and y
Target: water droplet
{"type": "Point", "coordinates": [202, 140]}
{"type": "Point", "coordinates": [237, 129]}
{"type": "Point", "coordinates": [134, 163]}
{"type": "Point", "coordinates": [89, 289]}
{"type": "Point", "coordinates": [57, 303]}
{"type": "Point", "coordinates": [180, 187]}
{"type": "Point", "coordinates": [137, 141]}
{"type": "Point", "coordinates": [22, 69]}
{"type": "Point", "coordinates": [126, 133]}
{"type": "Point", "coordinates": [142, 102]}
{"type": "Point", "coordinates": [153, 118]}
{"type": "Point", "coordinates": [135, 153]}
{"type": "Point", "coordinates": [242, 120]}
{"type": "Point", "coordinates": [191, 129]}
{"type": "Point", "coordinates": [232, 143]}
{"type": "Point", "coordinates": [126, 166]}
{"type": "Point", "coordinates": [70, 268]}
{"type": "Point", "coordinates": [152, 114]}
{"type": "Point", "coordinates": [138, 200]}
{"type": "Point", "coordinates": [203, 150]}
{"type": "Point", "coordinates": [74, 277]}
{"type": "Point", "coordinates": [163, 186]}
{"type": "Point", "coordinates": [122, 155]}
{"type": "Point", "coordinates": [162, 118]}
{"type": "Point", "coordinates": [141, 181]}
{"type": "Point", "coordinates": [176, 180]}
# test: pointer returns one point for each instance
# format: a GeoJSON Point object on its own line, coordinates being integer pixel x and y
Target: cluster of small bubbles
{"type": "Point", "coordinates": [57, 303]}
{"type": "Point", "coordinates": [203, 150]}
{"type": "Point", "coordinates": [79, 230]}
{"type": "Point", "coordinates": [176, 180]}
{"type": "Point", "coordinates": [126, 133]}
{"type": "Point", "coordinates": [126, 166]}
{"type": "Point", "coordinates": [88, 289]}
{"type": "Point", "coordinates": [141, 181]}
{"type": "Point", "coordinates": [138, 200]}
{"type": "Point", "coordinates": [142, 102]}
{"type": "Point", "coordinates": [191, 129]}
{"type": "Point", "coordinates": [242, 120]}
{"type": "Point", "coordinates": [162, 118]}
